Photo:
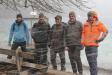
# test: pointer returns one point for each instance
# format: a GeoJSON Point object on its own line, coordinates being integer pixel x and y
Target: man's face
{"type": "Point", "coordinates": [19, 19]}
{"type": "Point", "coordinates": [92, 19]}
{"type": "Point", "coordinates": [72, 18]}
{"type": "Point", "coordinates": [41, 19]}
{"type": "Point", "coordinates": [58, 21]}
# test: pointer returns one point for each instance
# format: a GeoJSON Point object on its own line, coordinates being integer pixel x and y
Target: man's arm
{"type": "Point", "coordinates": [65, 33]}
{"type": "Point", "coordinates": [82, 35]}
{"type": "Point", "coordinates": [11, 34]}
{"type": "Point", "coordinates": [27, 34]}
{"type": "Point", "coordinates": [104, 34]}
{"type": "Point", "coordinates": [49, 35]}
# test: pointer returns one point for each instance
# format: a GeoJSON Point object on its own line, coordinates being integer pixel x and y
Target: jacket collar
{"type": "Point", "coordinates": [87, 23]}
{"type": "Point", "coordinates": [19, 23]}
{"type": "Point", "coordinates": [69, 22]}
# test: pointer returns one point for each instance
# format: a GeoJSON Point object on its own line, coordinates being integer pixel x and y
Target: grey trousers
{"type": "Point", "coordinates": [41, 53]}
{"type": "Point", "coordinates": [91, 54]}
{"type": "Point", "coordinates": [74, 56]}
{"type": "Point", "coordinates": [61, 53]}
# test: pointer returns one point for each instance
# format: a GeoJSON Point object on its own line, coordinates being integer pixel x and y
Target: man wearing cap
{"type": "Point", "coordinates": [73, 42]}
{"type": "Point", "coordinates": [57, 43]}
{"type": "Point", "coordinates": [19, 34]}
{"type": "Point", "coordinates": [94, 32]}
{"type": "Point", "coordinates": [40, 34]}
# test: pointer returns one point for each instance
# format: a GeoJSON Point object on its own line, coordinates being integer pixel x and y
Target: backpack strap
{"type": "Point", "coordinates": [24, 26]}
{"type": "Point", "coordinates": [13, 26]}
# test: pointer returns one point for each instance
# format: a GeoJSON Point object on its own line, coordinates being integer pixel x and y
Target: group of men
{"type": "Point", "coordinates": [72, 35]}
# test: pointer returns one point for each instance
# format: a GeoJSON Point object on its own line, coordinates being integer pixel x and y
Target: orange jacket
{"type": "Point", "coordinates": [91, 33]}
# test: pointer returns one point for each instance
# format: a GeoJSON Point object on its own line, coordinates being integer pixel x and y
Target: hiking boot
{"type": "Point", "coordinates": [80, 74]}
{"type": "Point", "coordinates": [63, 68]}
{"type": "Point", "coordinates": [75, 73]}
{"type": "Point", "coordinates": [9, 57]}
{"type": "Point", "coordinates": [55, 68]}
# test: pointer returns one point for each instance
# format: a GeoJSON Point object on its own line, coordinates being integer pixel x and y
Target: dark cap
{"type": "Point", "coordinates": [91, 13]}
{"type": "Point", "coordinates": [58, 17]}
{"type": "Point", "coordinates": [72, 13]}
{"type": "Point", "coordinates": [19, 15]}
{"type": "Point", "coordinates": [41, 15]}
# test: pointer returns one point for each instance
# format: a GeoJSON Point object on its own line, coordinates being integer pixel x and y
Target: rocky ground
{"type": "Point", "coordinates": [68, 72]}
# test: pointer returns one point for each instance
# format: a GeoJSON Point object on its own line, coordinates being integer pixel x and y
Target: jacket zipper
{"type": "Point", "coordinates": [91, 28]}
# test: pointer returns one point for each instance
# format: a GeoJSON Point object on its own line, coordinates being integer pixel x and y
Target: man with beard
{"type": "Point", "coordinates": [19, 34]}
{"type": "Point", "coordinates": [73, 42]}
{"type": "Point", "coordinates": [94, 32]}
{"type": "Point", "coordinates": [57, 43]}
{"type": "Point", "coordinates": [40, 34]}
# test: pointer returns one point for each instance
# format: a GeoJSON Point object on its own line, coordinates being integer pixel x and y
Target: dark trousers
{"type": "Point", "coordinates": [40, 56]}
{"type": "Point", "coordinates": [41, 53]}
{"type": "Point", "coordinates": [61, 53]}
{"type": "Point", "coordinates": [74, 56]}
{"type": "Point", "coordinates": [91, 54]}
{"type": "Point", "coordinates": [15, 45]}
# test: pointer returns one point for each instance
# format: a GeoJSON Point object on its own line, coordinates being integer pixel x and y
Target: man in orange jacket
{"type": "Point", "coordinates": [93, 33]}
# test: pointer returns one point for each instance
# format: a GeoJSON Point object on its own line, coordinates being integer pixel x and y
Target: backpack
{"type": "Point", "coordinates": [13, 27]}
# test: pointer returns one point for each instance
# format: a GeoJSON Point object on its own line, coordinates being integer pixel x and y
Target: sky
{"type": "Point", "coordinates": [104, 7]}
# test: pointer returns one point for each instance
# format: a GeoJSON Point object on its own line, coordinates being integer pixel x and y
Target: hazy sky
{"type": "Point", "coordinates": [103, 7]}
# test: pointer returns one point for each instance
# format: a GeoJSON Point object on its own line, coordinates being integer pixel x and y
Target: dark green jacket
{"type": "Point", "coordinates": [57, 36]}
{"type": "Point", "coordinates": [40, 33]}
{"type": "Point", "coordinates": [73, 33]}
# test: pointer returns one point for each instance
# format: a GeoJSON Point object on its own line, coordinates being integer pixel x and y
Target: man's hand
{"type": "Point", "coordinates": [82, 47]}
{"type": "Point", "coordinates": [27, 44]}
{"type": "Point", "coordinates": [98, 41]}
{"type": "Point", "coordinates": [9, 44]}
{"type": "Point", "coordinates": [49, 44]}
{"type": "Point", "coordinates": [102, 38]}
{"type": "Point", "coordinates": [66, 48]}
